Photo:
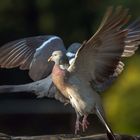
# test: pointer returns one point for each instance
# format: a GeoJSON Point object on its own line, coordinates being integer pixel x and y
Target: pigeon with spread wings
{"type": "Point", "coordinates": [97, 63]}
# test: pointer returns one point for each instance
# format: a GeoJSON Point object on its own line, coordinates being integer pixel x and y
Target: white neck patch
{"type": "Point", "coordinates": [62, 67]}
{"type": "Point", "coordinates": [70, 54]}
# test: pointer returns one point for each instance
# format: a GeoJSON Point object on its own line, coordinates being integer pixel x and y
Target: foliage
{"type": "Point", "coordinates": [122, 100]}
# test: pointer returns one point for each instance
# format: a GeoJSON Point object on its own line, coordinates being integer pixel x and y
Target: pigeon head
{"type": "Point", "coordinates": [59, 58]}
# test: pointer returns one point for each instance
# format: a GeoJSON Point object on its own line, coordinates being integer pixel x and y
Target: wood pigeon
{"type": "Point", "coordinates": [96, 64]}
{"type": "Point", "coordinates": [80, 74]}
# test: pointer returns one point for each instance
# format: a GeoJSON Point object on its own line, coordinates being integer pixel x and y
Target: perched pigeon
{"type": "Point", "coordinates": [96, 64]}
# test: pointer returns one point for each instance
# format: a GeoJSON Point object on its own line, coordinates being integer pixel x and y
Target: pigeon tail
{"type": "Point", "coordinates": [110, 133]}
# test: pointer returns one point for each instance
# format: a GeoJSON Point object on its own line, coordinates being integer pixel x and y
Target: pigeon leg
{"type": "Point", "coordinates": [110, 134]}
{"type": "Point", "coordinates": [78, 123]}
{"type": "Point", "coordinates": [85, 123]}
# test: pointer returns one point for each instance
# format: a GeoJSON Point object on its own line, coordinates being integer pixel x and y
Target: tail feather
{"type": "Point", "coordinates": [110, 133]}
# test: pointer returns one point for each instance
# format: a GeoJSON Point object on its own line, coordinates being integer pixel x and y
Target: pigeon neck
{"type": "Point", "coordinates": [63, 66]}
{"type": "Point", "coordinates": [63, 63]}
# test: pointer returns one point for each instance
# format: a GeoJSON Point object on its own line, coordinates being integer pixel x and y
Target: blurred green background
{"type": "Point", "coordinates": [77, 20]}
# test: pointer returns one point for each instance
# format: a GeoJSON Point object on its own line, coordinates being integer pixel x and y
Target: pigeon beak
{"type": "Point", "coordinates": [50, 59]}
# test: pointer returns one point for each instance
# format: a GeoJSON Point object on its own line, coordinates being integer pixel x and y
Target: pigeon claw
{"type": "Point", "coordinates": [85, 123]}
{"type": "Point", "coordinates": [77, 126]}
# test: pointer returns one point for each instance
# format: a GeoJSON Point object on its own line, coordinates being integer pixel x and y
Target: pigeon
{"type": "Point", "coordinates": [80, 73]}
{"type": "Point", "coordinates": [96, 65]}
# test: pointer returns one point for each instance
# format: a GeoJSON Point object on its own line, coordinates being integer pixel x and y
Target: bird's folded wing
{"type": "Point", "coordinates": [30, 53]}
{"type": "Point", "coordinates": [99, 57]}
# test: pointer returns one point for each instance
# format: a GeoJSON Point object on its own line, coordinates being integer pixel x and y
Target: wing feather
{"type": "Point", "coordinates": [18, 49]}
{"type": "Point", "coordinates": [31, 53]}
{"type": "Point", "coordinates": [99, 59]}
{"type": "Point", "coordinates": [27, 60]}
{"type": "Point", "coordinates": [20, 58]}
{"type": "Point", "coordinates": [8, 58]}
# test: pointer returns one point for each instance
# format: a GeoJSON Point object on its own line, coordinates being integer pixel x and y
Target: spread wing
{"type": "Point", "coordinates": [132, 41]}
{"type": "Point", "coordinates": [99, 59]}
{"type": "Point", "coordinates": [31, 53]}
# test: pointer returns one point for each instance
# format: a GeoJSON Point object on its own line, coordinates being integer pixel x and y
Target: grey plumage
{"type": "Point", "coordinates": [31, 53]}
{"type": "Point", "coordinates": [96, 64]}
{"type": "Point", "coordinates": [37, 69]}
